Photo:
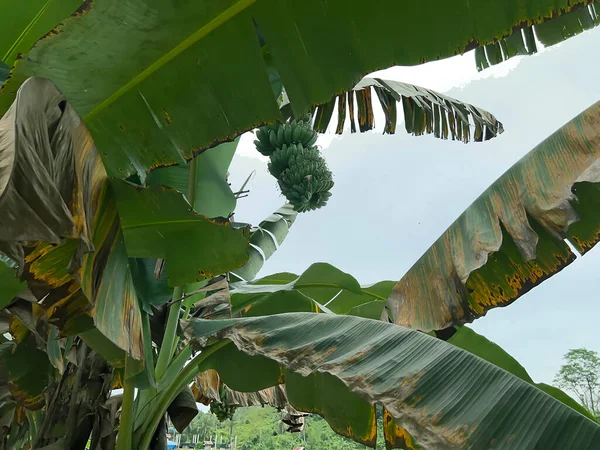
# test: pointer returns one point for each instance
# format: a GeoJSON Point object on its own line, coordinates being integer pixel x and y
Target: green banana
{"type": "Point", "coordinates": [300, 170]}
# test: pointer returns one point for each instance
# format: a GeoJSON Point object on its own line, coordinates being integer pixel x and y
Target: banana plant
{"type": "Point", "coordinates": [81, 234]}
{"type": "Point", "coordinates": [269, 318]}
{"type": "Point", "coordinates": [141, 276]}
{"type": "Point", "coordinates": [345, 356]}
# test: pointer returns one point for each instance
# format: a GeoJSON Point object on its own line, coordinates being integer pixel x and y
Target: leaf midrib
{"type": "Point", "coordinates": [27, 29]}
{"type": "Point", "coordinates": [337, 286]}
{"type": "Point", "coordinates": [164, 222]}
{"type": "Point", "coordinates": [226, 15]}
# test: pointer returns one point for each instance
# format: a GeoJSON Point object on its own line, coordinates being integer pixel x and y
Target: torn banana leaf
{"type": "Point", "coordinates": [512, 237]}
{"type": "Point", "coordinates": [552, 30]}
{"type": "Point", "coordinates": [425, 112]}
{"type": "Point", "coordinates": [443, 396]}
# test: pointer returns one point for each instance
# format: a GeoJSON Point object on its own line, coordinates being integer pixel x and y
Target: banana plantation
{"type": "Point", "coordinates": [129, 293]}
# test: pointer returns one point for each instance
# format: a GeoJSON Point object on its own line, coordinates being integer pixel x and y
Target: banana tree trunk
{"type": "Point", "coordinates": [77, 406]}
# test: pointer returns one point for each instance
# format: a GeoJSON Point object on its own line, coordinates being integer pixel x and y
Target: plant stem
{"type": "Point", "coordinates": [168, 343]}
{"type": "Point", "coordinates": [125, 436]}
{"type": "Point", "coordinates": [169, 394]}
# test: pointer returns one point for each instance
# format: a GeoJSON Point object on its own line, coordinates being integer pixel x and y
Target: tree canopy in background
{"type": "Point", "coordinates": [581, 375]}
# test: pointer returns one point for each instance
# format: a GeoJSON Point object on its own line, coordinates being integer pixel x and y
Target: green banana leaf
{"type": "Point", "coordinates": [322, 287]}
{"type": "Point", "coordinates": [511, 238]}
{"type": "Point", "coordinates": [265, 240]}
{"type": "Point", "coordinates": [213, 196]}
{"type": "Point", "coordinates": [175, 88]}
{"type": "Point", "coordinates": [521, 41]}
{"type": "Point", "coordinates": [23, 23]}
{"type": "Point", "coordinates": [157, 223]}
{"type": "Point", "coordinates": [443, 396]}
{"type": "Point", "coordinates": [473, 342]}
{"type": "Point", "coordinates": [4, 71]}
{"type": "Point", "coordinates": [264, 304]}
{"type": "Point", "coordinates": [425, 111]}
{"type": "Point", "coordinates": [10, 282]}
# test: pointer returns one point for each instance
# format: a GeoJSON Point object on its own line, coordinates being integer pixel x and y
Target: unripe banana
{"type": "Point", "coordinates": [296, 132]}
{"type": "Point", "coordinates": [288, 133]}
{"type": "Point", "coordinates": [273, 139]}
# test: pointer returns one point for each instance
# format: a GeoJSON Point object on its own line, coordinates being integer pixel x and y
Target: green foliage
{"type": "Point", "coordinates": [10, 284]}
{"type": "Point", "coordinates": [4, 71]}
{"type": "Point", "coordinates": [261, 428]}
{"type": "Point", "coordinates": [469, 340]}
{"type": "Point", "coordinates": [581, 375]}
{"type": "Point", "coordinates": [296, 163]}
{"type": "Point", "coordinates": [169, 95]}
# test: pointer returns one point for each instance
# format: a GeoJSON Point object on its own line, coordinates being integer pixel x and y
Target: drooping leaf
{"type": "Point", "coordinates": [106, 280]}
{"type": "Point", "coordinates": [183, 409]}
{"type": "Point", "coordinates": [552, 30]}
{"type": "Point", "coordinates": [324, 394]}
{"type": "Point", "coordinates": [141, 118]}
{"type": "Point", "coordinates": [157, 223]}
{"type": "Point", "coordinates": [213, 196]}
{"type": "Point", "coordinates": [420, 106]}
{"type": "Point", "coordinates": [469, 340]}
{"type": "Point", "coordinates": [265, 240]}
{"type": "Point", "coordinates": [442, 395]}
{"type": "Point", "coordinates": [511, 238]}
{"type": "Point", "coordinates": [55, 191]}
{"type": "Point", "coordinates": [43, 181]}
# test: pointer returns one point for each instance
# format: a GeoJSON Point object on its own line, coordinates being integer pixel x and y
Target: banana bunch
{"type": "Point", "coordinates": [306, 185]}
{"type": "Point", "coordinates": [275, 136]}
{"type": "Point", "coordinates": [296, 162]}
{"type": "Point", "coordinates": [287, 156]}
{"type": "Point", "coordinates": [221, 409]}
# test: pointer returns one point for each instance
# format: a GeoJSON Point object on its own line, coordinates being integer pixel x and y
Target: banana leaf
{"type": "Point", "coordinates": [443, 396]}
{"type": "Point", "coordinates": [175, 88]}
{"type": "Point", "coordinates": [550, 31]}
{"type": "Point", "coordinates": [425, 112]}
{"type": "Point", "coordinates": [512, 237]}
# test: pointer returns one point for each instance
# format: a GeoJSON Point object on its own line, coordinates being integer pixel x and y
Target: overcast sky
{"type": "Point", "coordinates": [394, 195]}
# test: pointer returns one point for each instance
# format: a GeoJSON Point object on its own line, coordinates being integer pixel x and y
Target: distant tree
{"type": "Point", "coordinates": [581, 375]}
